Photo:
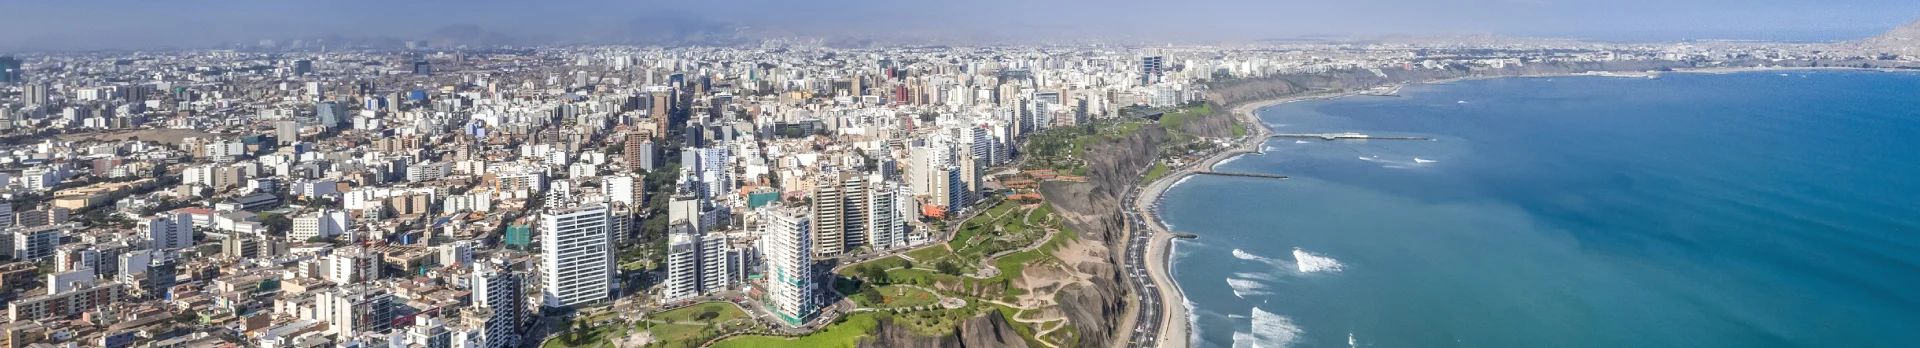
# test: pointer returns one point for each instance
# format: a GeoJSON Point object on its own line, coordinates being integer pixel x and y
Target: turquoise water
{"type": "Point", "coordinates": [1741, 210]}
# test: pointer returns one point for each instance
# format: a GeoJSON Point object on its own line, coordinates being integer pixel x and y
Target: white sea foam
{"type": "Point", "coordinates": [1225, 161]}
{"type": "Point", "coordinates": [1254, 276]}
{"type": "Point", "coordinates": [1422, 160]}
{"type": "Point", "coordinates": [1244, 255]}
{"type": "Point", "coordinates": [1351, 342]}
{"type": "Point", "coordinates": [1246, 287]}
{"type": "Point", "coordinates": [1243, 339]}
{"type": "Point", "coordinates": [1310, 263]}
{"type": "Point", "coordinates": [1193, 320]}
{"type": "Point", "coordinates": [1273, 330]}
{"type": "Point", "coordinates": [1299, 141]}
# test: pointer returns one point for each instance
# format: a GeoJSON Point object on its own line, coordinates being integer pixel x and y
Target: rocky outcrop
{"type": "Point", "coordinates": [985, 331]}
{"type": "Point", "coordinates": [1092, 209]}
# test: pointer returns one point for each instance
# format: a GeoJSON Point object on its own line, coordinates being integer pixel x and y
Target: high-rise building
{"type": "Point", "coordinates": [499, 291]}
{"type": "Point", "coordinates": [169, 230]}
{"type": "Point", "coordinates": [839, 214]}
{"type": "Point", "coordinates": [422, 68]}
{"type": "Point", "coordinates": [639, 152]}
{"type": "Point", "coordinates": [1150, 69]}
{"type": "Point", "coordinates": [683, 263]}
{"type": "Point", "coordinates": [302, 67]}
{"type": "Point", "coordinates": [352, 265]}
{"type": "Point", "coordinates": [888, 204]}
{"type": "Point", "coordinates": [350, 309]}
{"type": "Point", "coordinates": [715, 272]}
{"type": "Point", "coordinates": [34, 243]}
{"type": "Point", "coordinates": [787, 234]}
{"type": "Point", "coordinates": [11, 71]}
{"type": "Point", "coordinates": [35, 94]}
{"type": "Point", "coordinates": [576, 260]}
{"type": "Point", "coordinates": [330, 113]}
{"type": "Point", "coordinates": [624, 189]}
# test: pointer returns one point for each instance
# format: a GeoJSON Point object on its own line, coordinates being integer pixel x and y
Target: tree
{"type": "Point", "coordinates": [277, 224]}
{"type": "Point", "coordinates": [874, 274]}
{"type": "Point", "coordinates": [872, 294]}
{"type": "Point", "coordinates": [947, 267]}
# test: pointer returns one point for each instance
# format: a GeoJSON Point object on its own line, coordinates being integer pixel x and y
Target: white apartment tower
{"type": "Point", "coordinates": [576, 260]}
{"type": "Point", "coordinates": [683, 263]}
{"type": "Point", "coordinates": [499, 291]}
{"type": "Point", "coordinates": [787, 234]}
{"type": "Point", "coordinates": [888, 206]}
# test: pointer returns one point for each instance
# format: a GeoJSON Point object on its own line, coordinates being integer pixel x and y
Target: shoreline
{"type": "Point", "coordinates": [1159, 256]}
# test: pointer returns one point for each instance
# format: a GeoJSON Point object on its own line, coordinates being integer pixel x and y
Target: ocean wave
{"type": "Point", "coordinates": [1193, 319]}
{"type": "Point", "coordinates": [1246, 287]}
{"type": "Point", "coordinates": [1243, 339]}
{"type": "Point", "coordinates": [1273, 330]}
{"type": "Point", "coordinates": [1310, 263]}
{"type": "Point", "coordinates": [1254, 276]}
{"type": "Point", "coordinates": [1299, 141]}
{"type": "Point", "coordinates": [1244, 255]}
{"type": "Point", "coordinates": [1422, 160]}
{"type": "Point", "coordinates": [1227, 160]}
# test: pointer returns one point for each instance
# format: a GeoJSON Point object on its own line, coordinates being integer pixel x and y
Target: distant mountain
{"type": "Point", "coordinates": [1904, 40]}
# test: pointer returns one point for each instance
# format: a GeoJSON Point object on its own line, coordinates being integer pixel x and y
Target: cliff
{"type": "Point", "coordinates": [986, 331]}
{"type": "Point", "coordinates": [1236, 92]}
{"type": "Point", "coordinates": [1091, 208]}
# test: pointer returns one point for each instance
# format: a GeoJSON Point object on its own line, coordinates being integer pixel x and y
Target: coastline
{"type": "Point", "coordinates": [1159, 260]}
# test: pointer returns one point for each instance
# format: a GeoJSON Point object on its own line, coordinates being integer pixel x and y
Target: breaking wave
{"type": "Point", "coordinates": [1310, 263]}
{"type": "Point", "coordinates": [1246, 287]}
{"type": "Point", "coordinates": [1271, 330]}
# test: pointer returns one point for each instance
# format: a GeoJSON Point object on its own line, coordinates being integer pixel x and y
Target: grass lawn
{"type": "Point", "coordinates": [896, 296]}
{"type": "Point", "coordinates": [1239, 130]}
{"type": "Point", "coordinates": [676, 335]}
{"type": "Point", "coordinates": [710, 312]}
{"type": "Point", "coordinates": [1159, 170]}
{"type": "Point", "coordinates": [845, 334]}
{"type": "Point", "coordinates": [593, 336]}
{"type": "Point", "coordinates": [929, 255]}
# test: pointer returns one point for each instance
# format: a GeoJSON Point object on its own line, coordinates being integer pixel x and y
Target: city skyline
{"type": "Point", "coordinates": [204, 23]}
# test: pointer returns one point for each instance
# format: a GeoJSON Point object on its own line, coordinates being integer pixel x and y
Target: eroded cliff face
{"type": "Point", "coordinates": [986, 331]}
{"type": "Point", "coordinates": [1093, 209]}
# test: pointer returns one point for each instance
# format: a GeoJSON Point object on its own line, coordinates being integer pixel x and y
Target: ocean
{"type": "Point", "coordinates": [1763, 209]}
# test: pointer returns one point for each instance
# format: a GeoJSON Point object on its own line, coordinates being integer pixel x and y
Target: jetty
{"type": "Point", "coordinates": [1248, 175]}
{"type": "Point", "coordinates": [1338, 136]}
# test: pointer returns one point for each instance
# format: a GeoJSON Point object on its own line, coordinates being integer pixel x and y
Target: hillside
{"type": "Point", "coordinates": [1904, 40]}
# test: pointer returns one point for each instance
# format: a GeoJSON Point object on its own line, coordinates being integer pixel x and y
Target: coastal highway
{"type": "Point", "coordinates": [1147, 330]}
{"type": "Point", "coordinates": [1162, 317]}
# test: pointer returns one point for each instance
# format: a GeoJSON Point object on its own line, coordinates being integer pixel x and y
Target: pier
{"type": "Point", "coordinates": [1338, 136]}
{"type": "Point", "coordinates": [1248, 175]}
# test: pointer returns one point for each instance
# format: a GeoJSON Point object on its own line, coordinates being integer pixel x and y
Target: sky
{"type": "Point", "coordinates": [111, 24]}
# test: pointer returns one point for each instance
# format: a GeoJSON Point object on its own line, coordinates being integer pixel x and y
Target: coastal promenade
{"type": "Point", "coordinates": [1148, 257]}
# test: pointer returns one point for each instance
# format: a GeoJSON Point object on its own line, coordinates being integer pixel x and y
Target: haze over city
{"type": "Point", "coordinates": [197, 23]}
